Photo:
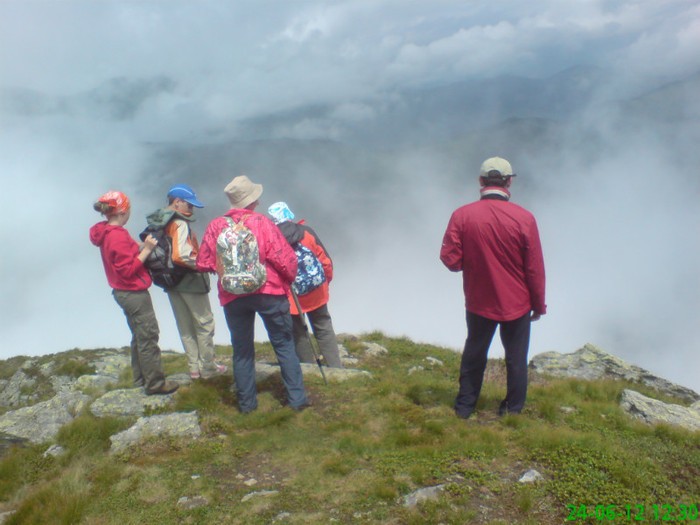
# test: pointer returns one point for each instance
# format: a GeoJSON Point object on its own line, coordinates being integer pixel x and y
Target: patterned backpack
{"type": "Point", "coordinates": [310, 274]}
{"type": "Point", "coordinates": [238, 259]}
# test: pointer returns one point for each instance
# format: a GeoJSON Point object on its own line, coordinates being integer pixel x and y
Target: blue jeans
{"type": "Point", "coordinates": [274, 311]}
{"type": "Point", "coordinates": [515, 336]}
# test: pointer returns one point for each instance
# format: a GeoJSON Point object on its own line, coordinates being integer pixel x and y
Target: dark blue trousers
{"type": "Point", "coordinates": [515, 336]}
{"type": "Point", "coordinates": [240, 317]}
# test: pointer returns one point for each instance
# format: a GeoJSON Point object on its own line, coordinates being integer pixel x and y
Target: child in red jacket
{"type": "Point", "coordinates": [123, 262]}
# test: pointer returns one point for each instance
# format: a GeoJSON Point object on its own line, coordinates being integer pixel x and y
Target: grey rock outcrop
{"type": "Point", "coordinates": [193, 502]}
{"type": "Point", "coordinates": [590, 363]}
{"type": "Point", "coordinates": [266, 370]}
{"type": "Point", "coordinates": [259, 494]}
{"type": "Point", "coordinates": [40, 423]}
{"type": "Point", "coordinates": [127, 402]}
{"type": "Point", "coordinates": [112, 364]}
{"type": "Point", "coordinates": [62, 383]}
{"type": "Point", "coordinates": [421, 495]}
{"type": "Point", "coordinates": [653, 411]}
{"type": "Point", "coordinates": [531, 476]}
{"type": "Point", "coordinates": [20, 389]}
{"type": "Point", "coordinates": [46, 369]}
{"type": "Point", "coordinates": [14, 390]}
{"type": "Point", "coordinates": [374, 349]}
{"type": "Point", "coordinates": [54, 450]}
{"type": "Point", "coordinates": [95, 381]}
{"type": "Point", "coordinates": [433, 361]}
{"type": "Point", "coordinates": [28, 364]}
{"type": "Point", "coordinates": [345, 357]}
{"type": "Point", "coordinates": [178, 424]}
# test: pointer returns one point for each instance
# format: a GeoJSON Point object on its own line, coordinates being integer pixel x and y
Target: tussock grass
{"type": "Point", "coordinates": [364, 446]}
{"type": "Point", "coordinates": [74, 368]}
{"type": "Point", "coordinates": [21, 468]}
{"type": "Point", "coordinates": [87, 434]}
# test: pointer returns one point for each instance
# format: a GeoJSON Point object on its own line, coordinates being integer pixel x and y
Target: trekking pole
{"type": "Point", "coordinates": [308, 335]}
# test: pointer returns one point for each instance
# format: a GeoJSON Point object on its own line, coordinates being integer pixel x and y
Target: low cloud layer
{"type": "Point", "coordinates": [370, 119]}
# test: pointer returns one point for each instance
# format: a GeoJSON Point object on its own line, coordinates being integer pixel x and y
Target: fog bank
{"type": "Point", "coordinates": [370, 120]}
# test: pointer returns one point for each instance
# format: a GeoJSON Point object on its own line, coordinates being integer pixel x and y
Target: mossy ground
{"type": "Point", "coordinates": [365, 444]}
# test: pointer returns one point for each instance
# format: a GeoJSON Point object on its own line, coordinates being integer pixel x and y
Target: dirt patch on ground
{"type": "Point", "coordinates": [254, 473]}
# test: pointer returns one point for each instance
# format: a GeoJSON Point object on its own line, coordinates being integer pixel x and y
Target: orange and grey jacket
{"type": "Point", "coordinates": [185, 247]}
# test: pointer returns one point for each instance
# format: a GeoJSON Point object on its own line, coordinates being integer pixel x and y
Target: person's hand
{"type": "Point", "coordinates": [534, 316]}
{"type": "Point", "coordinates": [150, 242]}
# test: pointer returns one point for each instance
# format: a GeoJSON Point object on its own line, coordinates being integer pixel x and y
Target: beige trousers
{"type": "Point", "coordinates": [195, 322]}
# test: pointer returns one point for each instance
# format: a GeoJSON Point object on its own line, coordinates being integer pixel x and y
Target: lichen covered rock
{"type": "Point", "coordinates": [653, 411]}
{"type": "Point", "coordinates": [590, 363]}
{"type": "Point", "coordinates": [177, 424]}
{"type": "Point", "coordinates": [266, 370]}
{"type": "Point", "coordinates": [127, 402]}
{"type": "Point", "coordinates": [40, 423]}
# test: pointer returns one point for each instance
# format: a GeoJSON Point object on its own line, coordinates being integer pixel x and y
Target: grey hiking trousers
{"type": "Point", "coordinates": [322, 326]}
{"type": "Point", "coordinates": [146, 364]}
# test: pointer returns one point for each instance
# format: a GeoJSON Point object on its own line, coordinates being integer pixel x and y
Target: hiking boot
{"type": "Point", "coordinates": [503, 409]}
{"type": "Point", "coordinates": [168, 388]}
{"type": "Point", "coordinates": [195, 375]}
{"type": "Point", "coordinates": [220, 370]}
{"type": "Point", "coordinates": [302, 407]}
{"type": "Point", "coordinates": [464, 414]}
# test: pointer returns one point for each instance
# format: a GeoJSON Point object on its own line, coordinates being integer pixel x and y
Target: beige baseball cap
{"type": "Point", "coordinates": [241, 191]}
{"type": "Point", "coordinates": [497, 164]}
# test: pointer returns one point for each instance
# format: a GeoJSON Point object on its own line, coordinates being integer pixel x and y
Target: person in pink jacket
{"type": "Point", "coordinates": [269, 301]}
{"type": "Point", "coordinates": [496, 246]}
{"type": "Point", "coordinates": [123, 259]}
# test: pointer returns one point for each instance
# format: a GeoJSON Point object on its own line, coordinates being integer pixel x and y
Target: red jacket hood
{"type": "Point", "coordinates": [98, 233]}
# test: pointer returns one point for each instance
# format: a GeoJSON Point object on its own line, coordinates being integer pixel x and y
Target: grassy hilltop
{"type": "Point", "coordinates": [366, 444]}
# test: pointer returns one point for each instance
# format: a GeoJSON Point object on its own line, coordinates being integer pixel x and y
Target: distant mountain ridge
{"type": "Point", "coordinates": [115, 99]}
{"type": "Point", "coordinates": [402, 116]}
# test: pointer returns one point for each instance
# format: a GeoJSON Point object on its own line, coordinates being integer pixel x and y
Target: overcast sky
{"type": "Point", "coordinates": [623, 275]}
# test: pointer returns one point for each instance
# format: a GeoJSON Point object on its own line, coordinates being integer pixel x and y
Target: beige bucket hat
{"type": "Point", "coordinates": [241, 191]}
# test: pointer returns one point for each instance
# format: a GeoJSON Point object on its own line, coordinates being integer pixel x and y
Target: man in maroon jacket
{"type": "Point", "coordinates": [496, 245]}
